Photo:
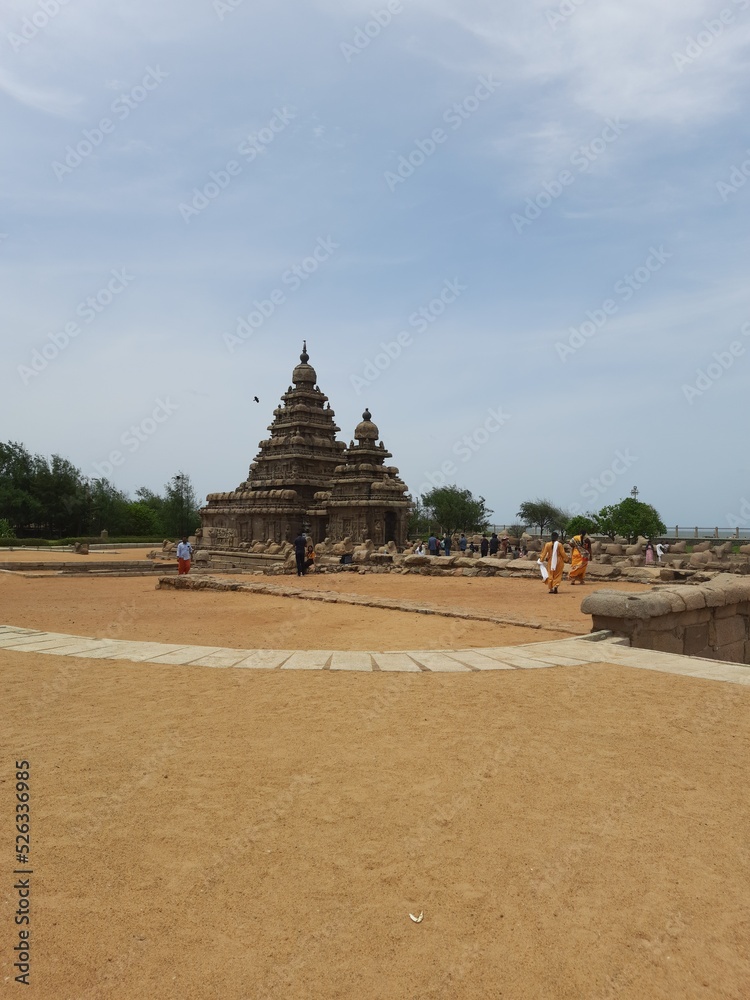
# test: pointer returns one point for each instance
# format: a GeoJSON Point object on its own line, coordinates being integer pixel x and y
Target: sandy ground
{"type": "Point", "coordinates": [569, 833]}
{"type": "Point", "coordinates": [131, 608]}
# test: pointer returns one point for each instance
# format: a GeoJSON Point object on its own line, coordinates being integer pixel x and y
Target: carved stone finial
{"type": "Point", "coordinates": [304, 357]}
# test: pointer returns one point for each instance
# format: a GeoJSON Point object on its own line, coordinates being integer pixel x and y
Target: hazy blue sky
{"type": "Point", "coordinates": [540, 209]}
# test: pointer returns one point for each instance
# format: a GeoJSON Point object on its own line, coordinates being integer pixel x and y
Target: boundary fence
{"type": "Point", "coordinates": [676, 533]}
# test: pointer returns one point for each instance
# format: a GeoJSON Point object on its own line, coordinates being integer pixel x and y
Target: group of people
{"type": "Point", "coordinates": [552, 560]}
{"type": "Point", "coordinates": [304, 553]}
{"type": "Point", "coordinates": [487, 546]}
{"type": "Point", "coordinates": [659, 549]}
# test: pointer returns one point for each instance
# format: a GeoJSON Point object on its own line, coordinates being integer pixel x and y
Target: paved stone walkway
{"type": "Point", "coordinates": [560, 653]}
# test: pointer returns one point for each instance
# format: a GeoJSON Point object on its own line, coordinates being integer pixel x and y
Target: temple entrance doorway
{"type": "Point", "coordinates": [390, 526]}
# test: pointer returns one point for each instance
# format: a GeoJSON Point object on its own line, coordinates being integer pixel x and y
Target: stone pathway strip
{"type": "Point", "coordinates": [559, 653]}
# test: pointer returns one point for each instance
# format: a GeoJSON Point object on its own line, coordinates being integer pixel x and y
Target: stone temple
{"type": "Point", "coordinates": [303, 477]}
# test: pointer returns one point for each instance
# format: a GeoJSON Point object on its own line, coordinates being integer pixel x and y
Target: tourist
{"type": "Point", "coordinates": [184, 555]}
{"type": "Point", "coordinates": [551, 562]}
{"type": "Point", "coordinates": [462, 544]}
{"type": "Point", "coordinates": [472, 547]}
{"type": "Point", "coordinates": [494, 544]}
{"type": "Point", "coordinates": [504, 545]}
{"type": "Point", "coordinates": [649, 553]}
{"type": "Point", "coordinates": [300, 547]}
{"type": "Point", "coordinates": [484, 546]}
{"type": "Point", "coordinates": [432, 544]}
{"type": "Point", "coordinates": [310, 560]}
{"type": "Point", "coordinates": [447, 544]}
{"type": "Point", "coordinates": [661, 548]}
{"type": "Point", "coordinates": [579, 559]}
{"type": "Point", "coordinates": [419, 548]}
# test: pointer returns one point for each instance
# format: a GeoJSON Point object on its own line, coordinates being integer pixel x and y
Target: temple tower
{"type": "Point", "coordinates": [303, 477]}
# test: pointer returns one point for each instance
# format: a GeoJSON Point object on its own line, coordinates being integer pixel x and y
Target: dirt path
{"type": "Point", "coordinates": [569, 833]}
{"type": "Point", "coordinates": [131, 608]}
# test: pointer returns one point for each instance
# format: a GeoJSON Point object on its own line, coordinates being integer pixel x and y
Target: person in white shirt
{"type": "Point", "coordinates": [184, 555]}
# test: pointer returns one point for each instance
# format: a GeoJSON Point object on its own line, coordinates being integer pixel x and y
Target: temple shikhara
{"type": "Point", "coordinates": [303, 477]}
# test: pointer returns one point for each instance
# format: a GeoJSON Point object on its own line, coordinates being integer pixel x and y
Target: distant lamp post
{"type": "Point", "coordinates": [634, 492]}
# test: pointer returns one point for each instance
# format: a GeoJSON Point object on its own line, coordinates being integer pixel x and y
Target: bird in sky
{"type": "Point", "coordinates": [255, 399]}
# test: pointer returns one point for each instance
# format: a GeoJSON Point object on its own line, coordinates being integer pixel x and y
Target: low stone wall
{"type": "Point", "coordinates": [711, 620]}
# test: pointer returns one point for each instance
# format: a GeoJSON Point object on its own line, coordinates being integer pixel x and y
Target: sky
{"type": "Point", "coordinates": [517, 233]}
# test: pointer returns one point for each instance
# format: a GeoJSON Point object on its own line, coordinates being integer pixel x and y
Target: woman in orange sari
{"type": "Point", "coordinates": [579, 559]}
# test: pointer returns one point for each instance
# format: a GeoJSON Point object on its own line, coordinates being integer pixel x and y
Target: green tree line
{"type": "Point", "coordinates": [629, 518]}
{"type": "Point", "coordinates": [50, 498]}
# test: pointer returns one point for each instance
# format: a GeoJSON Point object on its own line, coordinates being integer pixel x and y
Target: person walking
{"type": "Point", "coordinates": [184, 555]}
{"type": "Point", "coordinates": [484, 546]}
{"type": "Point", "coordinates": [649, 553]}
{"type": "Point", "coordinates": [447, 544]}
{"type": "Point", "coordinates": [494, 544]}
{"type": "Point", "coordinates": [579, 558]}
{"type": "Point", "coordinates": [462, 544]}
{"type": "Point", "coordinates": [300, 549]}
{"type": "Point", "coordinates": [432, 545]}
{"type": "Point", "coordinates": [552, 560]}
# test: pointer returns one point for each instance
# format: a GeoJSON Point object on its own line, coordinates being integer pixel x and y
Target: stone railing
{"type": "Point", "coordinates": [711, 620]}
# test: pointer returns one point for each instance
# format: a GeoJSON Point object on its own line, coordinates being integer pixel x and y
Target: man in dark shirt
{"type": "Point", "coordinates": [484, 546]}
{"type": "Point", "coordinates": [300, 548]}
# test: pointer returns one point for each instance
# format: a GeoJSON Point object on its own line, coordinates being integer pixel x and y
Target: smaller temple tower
{"type": "Point", "coordinates": [367, 498]}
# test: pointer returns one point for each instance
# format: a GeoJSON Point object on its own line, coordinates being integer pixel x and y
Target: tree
{"type": "Point", "coordinates": [180, 509]}
{"type": "Point", "coordinates": [579, 523]}
{"type": "Point", "coordinates": [543, 513]}
{"type": "Point", "coordinates": [419, 521]}
{"type": "Point", "coordinates": [630, 518]}
{"type": "Point", "coordinates": [455, 509]}
{"type": "Point", "coordinates": [17, 501]}
{"type": "Point", "coordinates": [109, 508]}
